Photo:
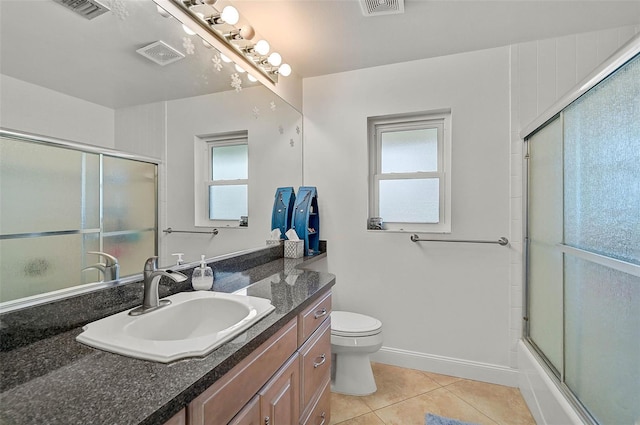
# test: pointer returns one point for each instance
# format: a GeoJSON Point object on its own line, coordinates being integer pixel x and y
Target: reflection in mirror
{"type": "Point", "coordinates": [63, 76]}
{"type": "Point", "coordinates": [70, 216]}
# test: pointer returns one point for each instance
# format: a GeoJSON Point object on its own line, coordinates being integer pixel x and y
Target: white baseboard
{"type": "Point", "coordinates": [461, 368]}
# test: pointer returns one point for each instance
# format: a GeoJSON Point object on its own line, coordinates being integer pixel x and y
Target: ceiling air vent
{"type": "Point", "coordinates": [381, 7]}
{"type": "Point", "coordinates": [160, 53]}
{"type": "Point", "coordinates": [85, 8]}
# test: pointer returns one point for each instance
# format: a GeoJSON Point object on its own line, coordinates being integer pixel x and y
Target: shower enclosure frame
{"type": "Point", "coordinates": [625, 54]}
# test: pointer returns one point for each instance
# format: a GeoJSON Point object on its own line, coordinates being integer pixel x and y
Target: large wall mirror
{"type": "Point", "coordinates": [133, 83]}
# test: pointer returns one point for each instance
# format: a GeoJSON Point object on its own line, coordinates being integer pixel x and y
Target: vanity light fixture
{"type": "Point", "coordinates": [284, 70]}
{"type": "Point", "coordinates": [275, 59]}
{"type": "Point", "coordinates": [233, 33]}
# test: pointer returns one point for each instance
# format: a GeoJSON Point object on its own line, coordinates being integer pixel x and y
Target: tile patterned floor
{"type": "Point", "coordinates": [405, 396]}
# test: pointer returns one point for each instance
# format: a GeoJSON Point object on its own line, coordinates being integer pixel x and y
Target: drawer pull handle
{"type": "Point", "coordinates": [323, 416]}
{"type": "Point", "coordinates": [267, 420]}
{"type": "Point", "coordinates": [321, 313]}
{"type": "Point", "coordinates": [323, 359]}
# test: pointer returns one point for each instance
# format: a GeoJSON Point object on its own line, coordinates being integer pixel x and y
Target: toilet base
{"type": "Point", "coordinates": [352, 375]}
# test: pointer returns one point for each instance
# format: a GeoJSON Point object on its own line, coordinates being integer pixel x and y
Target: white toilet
{"type": "Point", "coordinates": [353, 337]}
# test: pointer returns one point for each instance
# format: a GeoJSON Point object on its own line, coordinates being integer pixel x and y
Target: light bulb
{"type": "Point", "coordinates": [230, 15]}
{"type": "Point", "coordinates": [224, 58]}
{"type": "Point", "coordinates": [284, 70]}
{"type": "Point", "coordinates": [275, 59]}
{"type": "Point", "coordinates": [187, 30]}
{"type": "Point", "coordinates": [247, 32]}
{"type": "Point", "coordinates": [262, 47]}
{"type": "Point", "coordinates": [239, 69]}
{"type": "Point", "coordinates": [252, 78]}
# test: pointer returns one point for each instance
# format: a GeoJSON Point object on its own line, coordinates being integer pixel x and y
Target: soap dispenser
{"type": "Point", "coordinates": [202, 278]}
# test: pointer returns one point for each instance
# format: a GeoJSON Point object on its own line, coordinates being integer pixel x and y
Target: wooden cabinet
{"type": "Point", "coordinates": [179, 418]}
{"type": "Point", "coordinates": [250, 414]}
{"type": "Point", "coordinates": [320, 413]}
{"type": "Point", "coordinates": [312, 317]}
{"type": "Point", "coordinates": [285, 381]}
{"type": "Point", "coordinates": [219, 403]}
{"type": "Point", "coordinates": [315, 358]}
{"type": "Point", "coordinates": [280, 398]}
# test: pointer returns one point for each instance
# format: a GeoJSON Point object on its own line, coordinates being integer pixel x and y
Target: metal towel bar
{"type": "Point", "coordinates": [210, 232]}
{"type": "Point", "coordinates": [502, 241]}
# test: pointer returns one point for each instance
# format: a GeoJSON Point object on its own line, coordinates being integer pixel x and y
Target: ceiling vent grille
{"type": "Point", "coordinates": [86, 8]}
{"type": "Point", "coordinates": [381, 7]}
{"type": "Point", "coordinates": [160, 53]}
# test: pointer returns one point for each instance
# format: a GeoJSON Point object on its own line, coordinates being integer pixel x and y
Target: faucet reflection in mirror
{"type": "Point", "coordinates": [60, 204]}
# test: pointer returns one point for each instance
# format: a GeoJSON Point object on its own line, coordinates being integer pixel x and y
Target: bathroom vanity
{"type": "Point", "coordinates": [277, 372]}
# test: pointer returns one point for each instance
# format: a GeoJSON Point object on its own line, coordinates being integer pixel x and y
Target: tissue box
{"type": "Point", "coordinates": [293, 249]}
{"type": "Point", "coordinates": [272, 242]}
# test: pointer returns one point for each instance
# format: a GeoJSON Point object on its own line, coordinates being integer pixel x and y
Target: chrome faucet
{"type": "Point", "coordinates": [152, 275]}
{"type": "Point", "coordinates": [110, 268]}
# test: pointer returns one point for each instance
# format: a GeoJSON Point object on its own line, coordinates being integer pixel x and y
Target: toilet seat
{"type": "Point", "coordinates": [348, 324]}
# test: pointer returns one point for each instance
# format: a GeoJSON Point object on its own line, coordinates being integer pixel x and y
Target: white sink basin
{"type": "Point", "coordinates": [193, 325]}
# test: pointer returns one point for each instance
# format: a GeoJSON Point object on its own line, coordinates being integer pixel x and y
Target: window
{"type": "Point", "coordinates": [409, 184]}
{"type": "Point", "coordinates": [224, 179]}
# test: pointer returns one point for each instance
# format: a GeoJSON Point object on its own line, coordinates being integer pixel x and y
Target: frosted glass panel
{"type": "Point", "coordinates": [410, 201]}
{"type": "Point", "coordinates": [230, 162]}
{"type": "Point", "coordinates": [131, 249]}
{"type": "Point", "coordinates": [410, 151]}
{"type": "Point", "coordinates": [227, 202]}
{"type": "Point", "coordinates": [44, 264]}
{"type": "Point", "coordinates": [603, 340]}
{"type": "Point", "coordinates": [545, 232]}
{"type": "Point", "coordinates": [44, 188]}
{"type": "Point", "coordinates": [129, 194]}
{"type": "Point", "coordinates": [602, 194]}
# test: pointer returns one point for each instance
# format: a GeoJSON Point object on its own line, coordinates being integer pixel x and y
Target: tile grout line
{"type": "Point", "coordinates": [473, 407]}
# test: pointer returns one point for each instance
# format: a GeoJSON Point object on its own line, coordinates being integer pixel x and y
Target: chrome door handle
{"type": "Point", "coordinates": [323, 358]}
{"type": "Point", "coordinates": [321, 313]}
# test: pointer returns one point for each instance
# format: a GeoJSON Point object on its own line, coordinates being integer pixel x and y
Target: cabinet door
{"type": "Point", "coordinates": [280, 397]}
{"type": "Point", "coordinates": [249, 415]}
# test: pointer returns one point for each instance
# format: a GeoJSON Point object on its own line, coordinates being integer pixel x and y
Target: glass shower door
{"type": "Point", "coordinates": [583, 280]}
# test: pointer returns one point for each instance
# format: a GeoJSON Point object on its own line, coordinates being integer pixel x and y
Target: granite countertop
{"type": "Point", "coordinates": [57, 380]}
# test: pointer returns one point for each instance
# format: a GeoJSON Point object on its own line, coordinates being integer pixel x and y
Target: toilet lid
{"type": "Point", "coordinates": [345, 323]}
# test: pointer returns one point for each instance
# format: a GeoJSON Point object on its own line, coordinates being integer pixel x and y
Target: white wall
{"type": "Point", "coordinates": [445, 307]}
{"type": "Point", "coordinates": [34, 109]}
{"type": "Point", "coordinates": [541, 73]}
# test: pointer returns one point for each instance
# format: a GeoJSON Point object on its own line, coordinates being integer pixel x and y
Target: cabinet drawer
{"type": "Point", "coordinates": [312, 317]}
{"type": "Point", "coordinates": [180, 418]}
{"type": "Point", "coordinates": [226, 397]}
{"type": "Point", "coordinates": [316, 364]}
{"type": "Point", "coordinates": [321, 412]}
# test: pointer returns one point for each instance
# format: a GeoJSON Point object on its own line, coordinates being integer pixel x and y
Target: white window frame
{"type": "Point", "coordinates": [203, 176]}
{"type": "Point", "coordinates": [440, 119]}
